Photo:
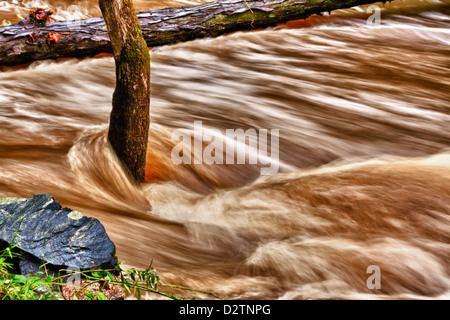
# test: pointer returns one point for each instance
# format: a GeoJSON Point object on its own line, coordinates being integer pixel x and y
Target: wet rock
{"type": "Point", "coordinates": [62, 237]}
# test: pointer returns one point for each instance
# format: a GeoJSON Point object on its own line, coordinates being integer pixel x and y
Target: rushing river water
{"type": "Point", "coordinates": [364, 153]}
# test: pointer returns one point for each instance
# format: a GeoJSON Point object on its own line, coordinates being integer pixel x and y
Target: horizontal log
{"type": "Point", "coordinates": [24, 42]}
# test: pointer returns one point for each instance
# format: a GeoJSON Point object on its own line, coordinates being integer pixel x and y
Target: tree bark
{"type": "Point", "coordinates": [130, 116]}
{"type": "Point", "coordinates": [23, 42]}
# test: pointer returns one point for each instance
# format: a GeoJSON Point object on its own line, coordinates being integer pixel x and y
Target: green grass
{"type": "Point", "coordinates": [42, 286]}
{"type": "Point", "coordinates": [19, 287]}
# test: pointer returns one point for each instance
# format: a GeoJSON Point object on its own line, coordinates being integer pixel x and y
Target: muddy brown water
{"type": "Point", "coordinates": [364, 153]}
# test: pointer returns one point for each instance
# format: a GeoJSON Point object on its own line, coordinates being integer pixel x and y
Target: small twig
{"type": "Point", "coordinates": [253, 14]}
{"type": "Point", "coordinates": [32, 37]}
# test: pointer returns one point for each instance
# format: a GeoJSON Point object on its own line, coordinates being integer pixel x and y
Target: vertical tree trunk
{"type": "Point", "coordinates": [130, 116]}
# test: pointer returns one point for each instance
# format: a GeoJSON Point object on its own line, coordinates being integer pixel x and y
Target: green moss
{"type": "Point", "coordinates": [138, 32]}
{"type": "Point", "coordinates": [236, 18]}
{"type": "Point", "coordinates": [75, 215]}
{"type": "Point", "coordinates": [9, 200]}
{"type": "Point", "coordinates": [42, 49]}
{"type": "Point", "coordinates": [133, 51]}
{"type": "Point", "coordinates": [12, 59]}
{"type": "Point", "coordinates": [290, 8]}
{"type": "Point", "coordinates": [220, 18]}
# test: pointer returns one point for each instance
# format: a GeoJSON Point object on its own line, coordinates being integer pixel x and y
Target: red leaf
{"type": "Point", "coordinates": [53, 37]}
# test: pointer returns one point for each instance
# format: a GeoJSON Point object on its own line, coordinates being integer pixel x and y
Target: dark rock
{"type": "Point", "coordinates": [59, 236]}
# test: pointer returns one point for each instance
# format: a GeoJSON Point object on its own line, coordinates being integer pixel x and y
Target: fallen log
{"type": "Point", "coordinates": [25, 42]}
